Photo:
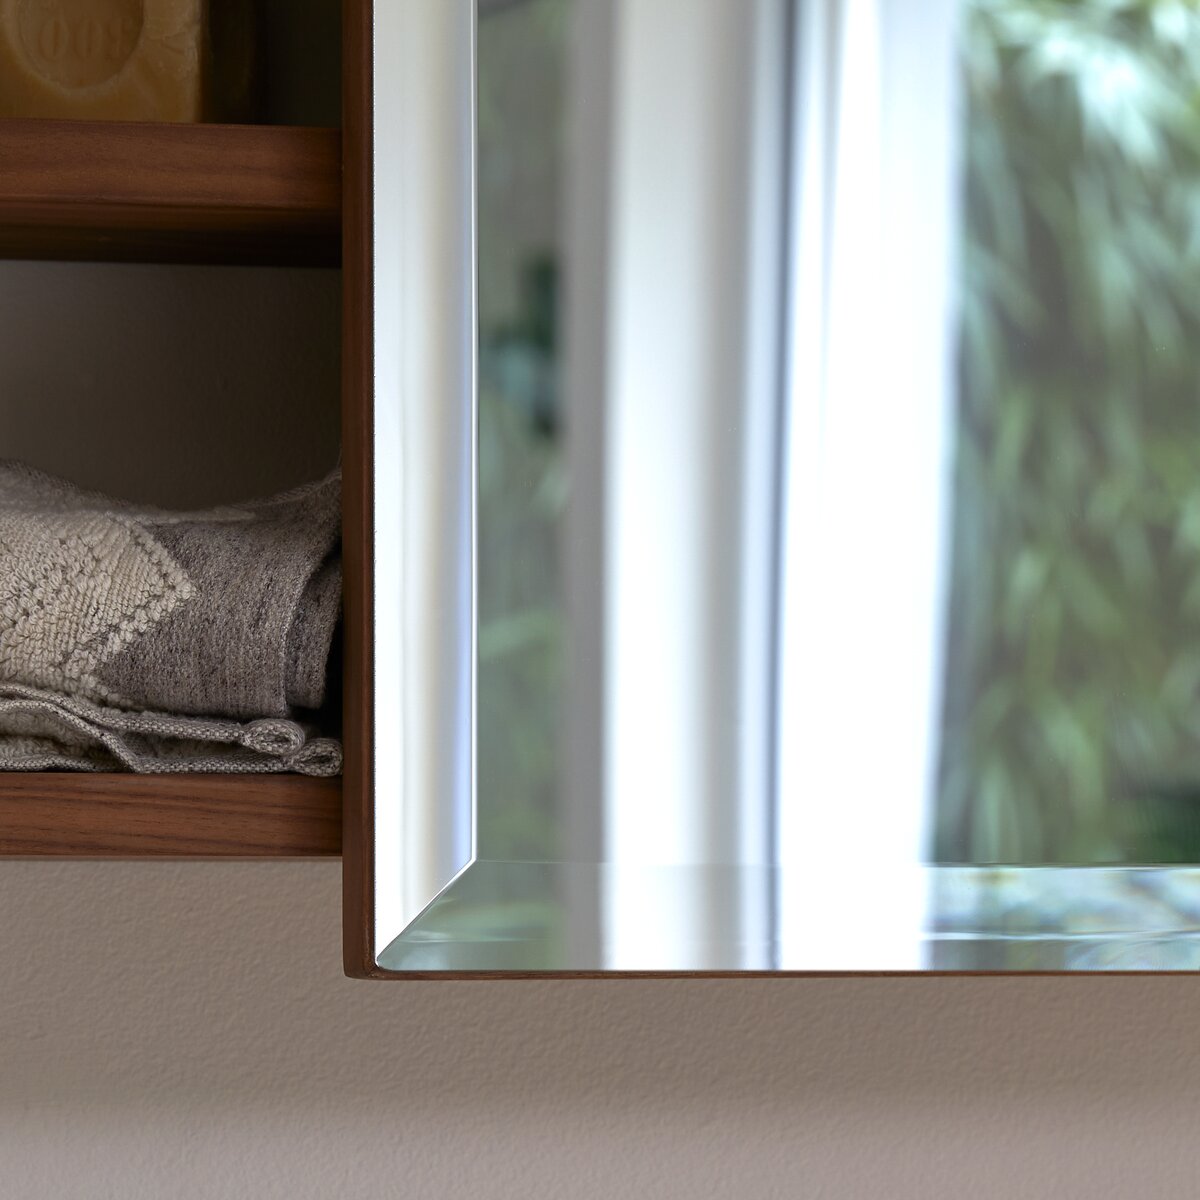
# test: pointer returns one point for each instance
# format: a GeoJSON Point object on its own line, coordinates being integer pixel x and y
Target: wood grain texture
{"type": "Point", "coordinates": [127, 191]}
{"type": "Point", "coordinates": [60, 815]}
{"type": "Point", "coordinates": [358, 831]}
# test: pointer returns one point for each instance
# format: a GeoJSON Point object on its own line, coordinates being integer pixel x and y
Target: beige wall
{"type": "Point", "coordinates": [183, 1030]}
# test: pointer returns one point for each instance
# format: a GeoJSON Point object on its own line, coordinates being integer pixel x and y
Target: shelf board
{"type": "Point", "coordinates": [143, 192]}
{"type": "Point", "coordinates": [64, 815]}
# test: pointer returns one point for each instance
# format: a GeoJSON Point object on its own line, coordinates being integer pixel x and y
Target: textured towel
{"type": "Point", "coordinates": [226, 613]}
{"type": "Point", "coordinates": [46, 731]}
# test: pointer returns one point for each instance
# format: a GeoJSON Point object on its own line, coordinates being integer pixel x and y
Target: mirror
{"type": "Point", "coordinates": [787, 485]}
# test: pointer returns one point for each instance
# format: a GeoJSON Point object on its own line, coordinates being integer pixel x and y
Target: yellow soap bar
{"type": "Point", "coordinates": [116, 60]}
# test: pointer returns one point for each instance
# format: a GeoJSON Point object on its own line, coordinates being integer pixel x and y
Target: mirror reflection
{"type": "Point", "coordinates": [522, 93]}
{"type": "Point", "coordinates": [839, 511]}
{"type": "Point", "coordinates": [1071, 728]}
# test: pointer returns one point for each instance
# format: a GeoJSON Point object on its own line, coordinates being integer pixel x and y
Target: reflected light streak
{"type": "Point", "coordinates": [690, 418]}
{"type": "Point", "coordinates": [866, 479]}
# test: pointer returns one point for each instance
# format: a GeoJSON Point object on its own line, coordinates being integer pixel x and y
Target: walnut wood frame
{"type": "Point", "coordinates": [358, 825]}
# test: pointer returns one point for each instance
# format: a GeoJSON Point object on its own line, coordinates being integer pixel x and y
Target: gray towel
{"type": "Point", "coordinates": [227, 613]}
{"type": "Point", "coordinates": [47, 731]}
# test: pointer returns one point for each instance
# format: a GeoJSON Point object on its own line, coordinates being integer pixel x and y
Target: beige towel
{"type": "Point", "coordinates": [46, 731]}
{"type": "Point", "coordinates": [132, 619]}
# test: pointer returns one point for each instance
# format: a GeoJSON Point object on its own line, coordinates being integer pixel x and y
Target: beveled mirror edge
{"type": "Point", "coordinates": [409, 449]}
{"type": "Point", "coordinates": [425, 330]}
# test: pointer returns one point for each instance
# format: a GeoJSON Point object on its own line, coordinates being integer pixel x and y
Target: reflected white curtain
{"type": "Point", "coordinates": [867, 479]}
{"type": "Point", "coordinates": [674, 384]}
{"type": "Point", "coordinates": [765, 691]}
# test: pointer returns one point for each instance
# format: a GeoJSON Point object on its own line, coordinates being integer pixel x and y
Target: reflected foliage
{"type": "Point", "coordinates": [1072, 713]}
{"type": "Point", "coordinates": [522, 486]}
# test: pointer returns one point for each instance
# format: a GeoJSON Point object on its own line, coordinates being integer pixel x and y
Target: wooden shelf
{"type": "Point", "coordinates": [132, 192]}
{"type": "Point", "coordinates": [62, 815]}
{"type": "Point", "coordinates": [126, 192]}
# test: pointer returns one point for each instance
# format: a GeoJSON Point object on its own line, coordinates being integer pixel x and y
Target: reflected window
{"type": "Point", "coordinates": [1072, 698]}
{"type": "Point", "coordinates": [522, 487]}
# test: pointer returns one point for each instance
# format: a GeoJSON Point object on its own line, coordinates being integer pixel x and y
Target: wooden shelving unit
{"type": "Point", "coordinates": [130, 192]}
{"type": "Point", "coordinates": [63, 815]}
{"type": "Point", "coordinates": [127, 192]}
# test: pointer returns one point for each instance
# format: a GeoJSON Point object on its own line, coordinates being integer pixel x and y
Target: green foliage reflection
{"type": "Point", "coordinates": [522, 484]}
{"type": "Point", "coordinates": [1074, 658]}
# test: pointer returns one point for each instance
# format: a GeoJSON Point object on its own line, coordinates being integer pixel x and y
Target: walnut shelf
{"type": "Point", "coordinates": [132, 192]}
{"type": "Point", "coordinates": [62, 815]}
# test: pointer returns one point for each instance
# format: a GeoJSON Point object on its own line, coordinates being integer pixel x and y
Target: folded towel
{"type": "Point", "coordinates": [46, 731]}
{"type": "Point", "coordinates": [120, 622]}
{"type": "Point", "coordinates": [228, 612]}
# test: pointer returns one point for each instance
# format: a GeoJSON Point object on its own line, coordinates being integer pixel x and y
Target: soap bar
{"type": "Point", "coordinates": [125, 60]}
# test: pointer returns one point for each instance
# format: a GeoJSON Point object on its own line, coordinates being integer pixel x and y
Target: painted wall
{"type": "Point", "coordinates": [184, 1030]}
